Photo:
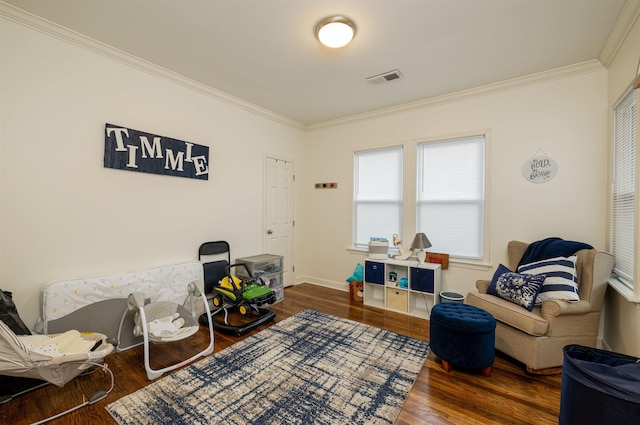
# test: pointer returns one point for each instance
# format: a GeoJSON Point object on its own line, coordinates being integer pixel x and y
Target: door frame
{"type": "Point", "coordinates": [265, 193]}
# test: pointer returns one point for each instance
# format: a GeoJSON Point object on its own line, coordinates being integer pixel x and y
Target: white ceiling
{"type": "Point", "coordinates": [264, 51]}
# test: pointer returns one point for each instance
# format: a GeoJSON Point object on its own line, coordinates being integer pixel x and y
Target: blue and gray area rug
{"type": "Point", "coordinates": [311, 368]}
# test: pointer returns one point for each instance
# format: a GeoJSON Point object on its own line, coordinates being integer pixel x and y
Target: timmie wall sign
{"type": "Point", "coordinates": [133, 150]}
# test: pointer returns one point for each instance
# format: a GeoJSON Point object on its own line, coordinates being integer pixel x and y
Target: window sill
{"type": "Point", "coordinates": [360, 251]}
{"type": "Point", "coordinates": [458, 263]}
{"type": "Point", "coordinates": [470, 265]}
{"type": "Point", "coordinates": [624, 291]}
{"type": "Point", "coordinates": [365, 251]}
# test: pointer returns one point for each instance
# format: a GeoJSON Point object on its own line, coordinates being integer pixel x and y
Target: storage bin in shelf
{"type": "Point", "coordinates": [406, 286]}
{"type": "Point", "coordinates": [397, 299]}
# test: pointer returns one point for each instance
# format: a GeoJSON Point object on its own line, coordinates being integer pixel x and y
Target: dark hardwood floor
{"type": "Point", "coordinates": [508, 396]}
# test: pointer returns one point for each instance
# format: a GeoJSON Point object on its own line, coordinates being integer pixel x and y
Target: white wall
{"type": "Point", "coordinates": [622, 318]}
{"type": "Point", "coordinates": [565, 116]}
{"type": "Point", "coordinates": [64, 215]}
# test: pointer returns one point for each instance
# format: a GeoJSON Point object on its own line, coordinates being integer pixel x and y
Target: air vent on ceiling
{"type": "Point", "coordinates": [385, 77]}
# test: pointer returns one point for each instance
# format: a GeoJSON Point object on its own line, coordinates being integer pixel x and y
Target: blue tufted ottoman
{"type": "Point", "coordinates": [463, 335]}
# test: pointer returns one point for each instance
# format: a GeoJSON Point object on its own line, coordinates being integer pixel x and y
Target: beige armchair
{"type": "Point", "coordinates": [537, 338]}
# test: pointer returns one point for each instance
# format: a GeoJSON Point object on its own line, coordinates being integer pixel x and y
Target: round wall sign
{"type": "Point", "coordinates": [539, 169]}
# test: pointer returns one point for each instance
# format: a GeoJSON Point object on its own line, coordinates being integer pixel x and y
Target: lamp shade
{"type": "Point", "coordinates": [420, 241]}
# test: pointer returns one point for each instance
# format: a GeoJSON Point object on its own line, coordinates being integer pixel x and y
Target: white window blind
{"type": "Point", "coordinates": [624, 190]}
{"type": "Point", "coordinates": [450, 199]}
{"type": "Point", "coordinates": [377, 194]}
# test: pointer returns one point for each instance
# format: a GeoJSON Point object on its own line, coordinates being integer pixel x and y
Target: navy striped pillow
{"type": "Point", "coordinates": [561, 281]}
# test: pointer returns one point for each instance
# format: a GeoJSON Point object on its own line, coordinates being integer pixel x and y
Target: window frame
{"type": "Point", "coordinates": [478, 202]}
{"type": "Point", "coordinates": [621, 282]}
{"type": "Point", "coordinates": [355, 202]}
{"type": "Point", "coordinates": [409, 204]}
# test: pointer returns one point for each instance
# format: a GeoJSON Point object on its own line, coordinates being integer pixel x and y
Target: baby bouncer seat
{"type": "Point", "coordinates": [166, 322]}
{"type": "Point", "coordinates": [56, 359]}
{"type": "Point", "coordinates": [228, 293]}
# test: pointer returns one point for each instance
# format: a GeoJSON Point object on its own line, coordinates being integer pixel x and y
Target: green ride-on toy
{"type": "Point", "coordinates": [245, 294]}
{"type": "Point", "coordinates": [237, 302]}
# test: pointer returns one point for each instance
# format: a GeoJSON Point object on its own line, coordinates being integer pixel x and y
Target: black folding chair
{"type": "Point", "coordinates": [216, 258]}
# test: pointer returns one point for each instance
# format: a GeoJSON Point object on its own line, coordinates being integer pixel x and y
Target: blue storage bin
{"type": "Point", "coordinates": [422, 280]}
{"type": "Point", "coordinates": [599, 387]}
{"type": "Point", "coordinates": [374, 272]}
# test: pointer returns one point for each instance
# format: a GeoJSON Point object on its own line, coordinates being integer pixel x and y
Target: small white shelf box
{"type": "Point", "coordinates": [382, 285]}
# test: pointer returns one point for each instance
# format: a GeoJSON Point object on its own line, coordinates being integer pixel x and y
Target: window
{"type": "Point", "coordinates": [447, 203]}
{"type": "Point", "coordinates": [450, 196]}
{"type": "Point", "coordinates": [624, 188]}
{"type": "Point", "coordinates": [378, 187]}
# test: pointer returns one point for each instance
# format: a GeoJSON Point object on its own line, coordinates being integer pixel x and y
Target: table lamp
{"type": "Point", "coordinates": [420, 243]}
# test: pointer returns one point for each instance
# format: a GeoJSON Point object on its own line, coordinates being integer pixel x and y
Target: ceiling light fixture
{"type": "Point", "coordinates": [335, 31]}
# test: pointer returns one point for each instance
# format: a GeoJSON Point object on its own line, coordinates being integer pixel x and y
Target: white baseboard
{"type": "Point", "coordinates": [340, 286]}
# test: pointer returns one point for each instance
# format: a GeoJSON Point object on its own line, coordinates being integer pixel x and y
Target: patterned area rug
{"type": "Point", "coordinates": [311, 368]}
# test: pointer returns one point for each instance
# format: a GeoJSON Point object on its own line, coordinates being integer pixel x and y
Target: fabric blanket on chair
{"type": "Point", "coordinates": [550, 248]}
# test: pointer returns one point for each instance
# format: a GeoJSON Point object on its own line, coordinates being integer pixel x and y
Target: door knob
{"type": "Point", "coordinates": [270, 232]}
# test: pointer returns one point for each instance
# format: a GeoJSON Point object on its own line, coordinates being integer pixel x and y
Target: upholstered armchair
{"type": "Point", "coordinates": [537, 337]}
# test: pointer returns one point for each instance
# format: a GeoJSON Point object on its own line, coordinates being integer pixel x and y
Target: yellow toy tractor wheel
{"type": "Point", "coordinates": [217, 301]}
{"type": "Point", "coordinates": [244, 308]}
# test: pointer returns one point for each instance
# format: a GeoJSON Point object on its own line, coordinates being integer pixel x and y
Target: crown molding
{"type": "Point", "coordinates": [628, 16]}
{"type": "Point", "coordinates": [626, 20]}
{"type": "Point", "coordinates": [34, 22]}
{"type": "Point", "coordinates": [540, 77]}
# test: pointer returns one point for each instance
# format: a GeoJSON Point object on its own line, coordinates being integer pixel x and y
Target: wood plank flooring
{"type": "Point", "coordinates": [508, 396]}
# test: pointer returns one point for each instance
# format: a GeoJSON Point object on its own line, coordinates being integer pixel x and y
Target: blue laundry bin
{"type": "Point", "coordinates": [599, 387]}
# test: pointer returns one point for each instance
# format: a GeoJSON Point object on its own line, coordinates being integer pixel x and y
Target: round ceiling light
{"type": "Point", "coordinates": [335, 31]}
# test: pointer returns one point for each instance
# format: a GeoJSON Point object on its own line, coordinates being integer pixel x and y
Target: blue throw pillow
{"type": "Point", "coordinates": [520, 289]}
{"type": "Point", "coordinates": [561, 281]}
{"type": "Point", "coordinates": [502, 269]}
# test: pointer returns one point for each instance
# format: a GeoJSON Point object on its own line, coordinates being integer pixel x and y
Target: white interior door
{"type": "Point", "coordinates": [278, 220]}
